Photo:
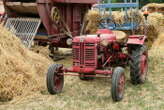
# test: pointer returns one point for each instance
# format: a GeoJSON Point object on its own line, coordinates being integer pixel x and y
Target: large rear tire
{"type": "Point", "coordinates": [55, 80]}
{"type": "Point", "coordinates": [118, 84]}
{"type": "Point", "coordinates": [139, 65]}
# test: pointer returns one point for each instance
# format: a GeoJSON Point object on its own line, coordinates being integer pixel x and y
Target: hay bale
{"type": "Point", "coordinates": [156, 20]}
{"type": "Point", "coordinates": [93, 18]}
{"type": "Point", "coordinates": [21, 71]}
{"type": "Point", "coordinates": [154, 27]}
{"type": "Point", "coordinates": [41, 50]}
{"type": "Point", "coordinates": [156, 52]}
{"type": "Point", "coordinates": [159, 41]}
{"type": "Point", "coordinates": [118, 17]}
{"type": "Point", "coordinates": [154, 7]}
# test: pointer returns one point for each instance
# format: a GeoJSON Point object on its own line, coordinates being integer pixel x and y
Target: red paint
{"type": "Point", "coordinates": [121, 85]}
{"type": "Point", "coordinates": [88, 70]}
{"type": "Point", "coordinates": [57, 82]}
{"type": "Point", "coordinates": [86, 49]}
{"type": "Point", "coordinates": [44, 13]}
{"type": "Point", "coordinates": [104, 31]}
{"type": "Point", "coordinates": [136, 39]}
{"type": "Point", "coordinates": [91, 58]}
{"type": "Point", "coordinates": [72, 11]}
{"type": "Point", "coordinates": [143, 64]}
{"type": "Point", "coordinates": [116, 46]}
{"type": "Point", "coordinates": [77, 74]}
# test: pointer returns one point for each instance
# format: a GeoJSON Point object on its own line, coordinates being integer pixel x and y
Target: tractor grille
{"type": "Point", "coordinates": [84, 54]}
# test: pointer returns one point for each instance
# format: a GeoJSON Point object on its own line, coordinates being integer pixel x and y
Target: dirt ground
{"type": "Point", "coordinates": [95, 95]}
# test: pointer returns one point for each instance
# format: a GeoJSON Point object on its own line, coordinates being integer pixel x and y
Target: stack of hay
{"type": "Point", "coordinates": [159, 41]}
{"type": "Point", "coordinates": [21, 71]}
{"type": "Point", "coordinates": [41, 50]}
{"type": "Point", "coordinates": [154, 26]}
{"type": "Point", "coordinates": [156, 20]}
{"type": "Point", "coordinates": [154, 7]}
{"type": "Point", "coordinates": [93, 18]}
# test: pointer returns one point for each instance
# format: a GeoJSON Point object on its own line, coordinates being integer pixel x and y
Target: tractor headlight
{"type": "Point", "coordinates": [69, 41]}
{"type": "Point", "coordinates": [104, 43]}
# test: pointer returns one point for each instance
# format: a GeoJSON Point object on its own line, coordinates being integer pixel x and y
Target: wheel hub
{"type": "Point", "coordinates": [57, 82]}
{"type": "Point", "coordinates": [121, 85]}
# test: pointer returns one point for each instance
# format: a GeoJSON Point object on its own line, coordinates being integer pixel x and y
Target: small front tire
{"type": "Point", "coordinates": [55, 79]}
{"type": "Point", "coordinates": [118, 84]}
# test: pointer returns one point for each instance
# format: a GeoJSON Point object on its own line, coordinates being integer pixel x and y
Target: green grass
{"type": "Point", "coordinates": [95, 95]}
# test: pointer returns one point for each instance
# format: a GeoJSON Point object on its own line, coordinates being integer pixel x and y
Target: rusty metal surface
{"type": "Point", "coordinates": [72, 14]}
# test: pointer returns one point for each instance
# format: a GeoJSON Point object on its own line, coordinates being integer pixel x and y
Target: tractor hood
{"type": "Point", "coordinates": [95, 38]}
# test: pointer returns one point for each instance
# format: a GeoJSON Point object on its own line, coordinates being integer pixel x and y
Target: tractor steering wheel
{"type": "Point", "coordinates": [108, 23]}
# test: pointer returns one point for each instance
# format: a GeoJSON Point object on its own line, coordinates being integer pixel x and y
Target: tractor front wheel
{"type": "Point", "coordinates": [55, 79]}
{"type": "Point", "coordinates": [118, 84]}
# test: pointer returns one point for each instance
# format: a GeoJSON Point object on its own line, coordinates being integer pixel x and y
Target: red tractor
{"type": "Point", "coordinates": [104, 54]}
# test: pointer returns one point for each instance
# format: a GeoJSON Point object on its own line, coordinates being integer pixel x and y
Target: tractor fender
{"type": "Point", "coordinates": [136, 39]}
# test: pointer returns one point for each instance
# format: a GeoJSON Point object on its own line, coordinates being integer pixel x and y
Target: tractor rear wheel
{"type": "Point", "coordinates": [139, 64]}
{"type": "Point", "coordinates": [55, 79]}
{"type": "Point", "coordinates": [83, 77]}
{"type": "Point", "coordinates": [118, 84]}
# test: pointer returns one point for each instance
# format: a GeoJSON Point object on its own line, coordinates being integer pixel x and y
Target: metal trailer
{"type": "Point", "coordinates": [61, 19]}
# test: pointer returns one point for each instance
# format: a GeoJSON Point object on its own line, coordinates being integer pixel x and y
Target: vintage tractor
{"type": "Point", "coordinates": [104, 54]}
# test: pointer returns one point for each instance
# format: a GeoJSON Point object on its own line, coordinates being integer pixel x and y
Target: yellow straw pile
{"type": "Point", "coordinates": [21, 71]}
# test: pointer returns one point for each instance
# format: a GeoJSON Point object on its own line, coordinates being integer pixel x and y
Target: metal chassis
{"type": "Point", "coordinates": [133, 40]}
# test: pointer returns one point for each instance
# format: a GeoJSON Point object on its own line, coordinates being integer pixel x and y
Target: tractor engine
{"type": "Point", "coordinates": [98, 51]}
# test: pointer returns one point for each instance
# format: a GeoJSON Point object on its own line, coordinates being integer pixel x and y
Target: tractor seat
{"type": "Point", "coordinates": [120, 36]}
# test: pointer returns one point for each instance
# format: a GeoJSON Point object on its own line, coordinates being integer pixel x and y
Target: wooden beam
{"type": "Point", "coordinates": [19, 7]}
